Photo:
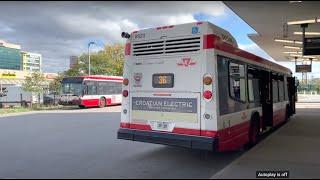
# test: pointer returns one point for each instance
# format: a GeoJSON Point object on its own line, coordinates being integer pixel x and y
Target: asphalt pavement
{"type": "Point", "coordinates": [84, 145]}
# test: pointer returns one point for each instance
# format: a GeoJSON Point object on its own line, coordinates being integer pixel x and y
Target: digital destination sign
{"type": "Point", "coordinates": [311, 46]}
{"type": "Point", "coordinates": [162, 80]}
{"type": "Point", "coordinates": [303, 68]}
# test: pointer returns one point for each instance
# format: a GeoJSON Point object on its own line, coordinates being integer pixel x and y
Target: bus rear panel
{"type": "Point", "coordinates": [170, 96]}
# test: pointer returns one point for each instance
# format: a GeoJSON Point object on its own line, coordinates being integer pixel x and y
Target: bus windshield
{"type": "Point", "coordinates": [72, 88]}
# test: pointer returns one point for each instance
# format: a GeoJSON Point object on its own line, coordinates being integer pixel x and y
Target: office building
{"type": "Point", "coordinates": [10, 56]}
{"type": "Point", "coordinates": [31, 61]}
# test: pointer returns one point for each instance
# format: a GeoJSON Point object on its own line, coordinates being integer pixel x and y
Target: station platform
{"type": "Point", "coordinates": [294, 147]}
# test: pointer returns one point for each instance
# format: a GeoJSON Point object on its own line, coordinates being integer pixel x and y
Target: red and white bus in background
{"type": "Point", "coordinates": [190, 85]}
{"type": "Point", "coordinates": [91, 91]}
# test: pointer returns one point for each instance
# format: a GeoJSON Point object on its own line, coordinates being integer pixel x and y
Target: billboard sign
{"type": "Point", "coordinates": [165, 109]}
{"type": "Point", "coordinates": [311, 46]}
{"type": "Point", "coordinates": [303, 68]}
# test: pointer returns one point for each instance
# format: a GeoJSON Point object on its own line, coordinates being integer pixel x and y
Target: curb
{"type": "Point", "coordinates": [17, 114]}
{"type": "Point", "coordinates": [107, 110]}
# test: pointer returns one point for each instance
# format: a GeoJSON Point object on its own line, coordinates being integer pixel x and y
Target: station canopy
{"type": "Point", "coordinates": [270, 19]}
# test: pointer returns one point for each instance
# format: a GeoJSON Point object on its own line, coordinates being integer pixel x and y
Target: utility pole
{"type": "Point", "coordinates": [89, 56]}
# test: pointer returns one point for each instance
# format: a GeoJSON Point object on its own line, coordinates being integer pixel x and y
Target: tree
{"type": "Point", "coordinates": [108, 61]}
{"type": "Point", "coordinates": [55, 85]}
{"type": "Point", "coordinates": [35, 83]}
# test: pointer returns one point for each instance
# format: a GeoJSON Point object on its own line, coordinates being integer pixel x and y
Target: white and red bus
{"type": "Point", "coordinates": [91, 91]}
{"type": "Point", "coordinates": [190, 85]}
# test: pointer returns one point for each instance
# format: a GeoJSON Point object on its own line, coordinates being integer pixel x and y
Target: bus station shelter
{"type": "Point", "coordinates": [293, 149]}
{"type": "Point", "coordinates": [278, 25]}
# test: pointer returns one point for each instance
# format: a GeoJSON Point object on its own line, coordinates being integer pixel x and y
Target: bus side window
{"type": "Point", "coordinates": [253, 85]}
{"type": "Point", "coordinates": [92, 88]}
{"type": "Point", "coordinates": [237, 81]}
{"type": "Point", "coordinates": [102, 88]}
{"type": "Point", "coordinates": [85, 89]}
{"type": "Point", "coordinates": [275, 92]}
{"type": "Point", "coordinates": [281, 89]}
{"type": "Point", "coordinates": [286, 87]}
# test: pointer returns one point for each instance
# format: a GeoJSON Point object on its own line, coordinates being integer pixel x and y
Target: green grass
{"type": "Point", "coordinates": [14, 110]}
{"type": "Point", "coordinates": [35, 108]}
{"type": "Point", "coordinates": [41, 108]}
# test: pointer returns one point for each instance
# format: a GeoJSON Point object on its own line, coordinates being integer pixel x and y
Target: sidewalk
{"type": "Point", "coordinates": [294, 147]}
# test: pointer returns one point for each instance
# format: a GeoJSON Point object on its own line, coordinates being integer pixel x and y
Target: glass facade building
{"type": "Point", "coordinates": [10, 56]}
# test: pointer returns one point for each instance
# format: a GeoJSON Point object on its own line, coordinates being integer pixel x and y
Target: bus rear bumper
{"type": "Point", "coordinates": [192, 142]}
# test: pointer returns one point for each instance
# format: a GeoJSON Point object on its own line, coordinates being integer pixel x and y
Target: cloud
{"type": "Point", "coordinates": [58, 30]}
{"type": "Point", "coordinates": [256, 50]}
{"type": "Point", "coordinates": [5, 29]}
{"type": "Point", "coordinates": [187, 18]}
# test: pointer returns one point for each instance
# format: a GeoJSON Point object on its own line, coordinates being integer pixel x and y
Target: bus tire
{"type": "Point", "coordinates": [82, 106]}
{"type": "Point", "coordinates": [254, 130]}
{"type": "Point", "coordinates": [102, 102]}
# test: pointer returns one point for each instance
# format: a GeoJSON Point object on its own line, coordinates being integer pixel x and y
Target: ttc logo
{"type": "Point", "coordinates": [186, 62]}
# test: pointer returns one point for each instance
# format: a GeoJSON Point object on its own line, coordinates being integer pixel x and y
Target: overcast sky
{"type": "Point", "coordinates": [58, 30]}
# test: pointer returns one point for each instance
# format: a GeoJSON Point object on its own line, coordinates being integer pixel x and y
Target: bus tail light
{"type": "Point", "coordinates": [207, 94]}
{"type": "Point", "coordinates": [127, 49]}
{"type": "Point", "coordinates": [125, 82]}
{"type": "Point", "coordinates": [125, 93]}
{"type": "Point", "coordinates": [207, 80]}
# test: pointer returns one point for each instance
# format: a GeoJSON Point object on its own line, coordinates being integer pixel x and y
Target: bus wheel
{"type": "Point", "coordinates": [254, 131]}
{"type": "Point", "coordinates": [81, 107]}
{"type": "Point", "coordinates": [102, 102]}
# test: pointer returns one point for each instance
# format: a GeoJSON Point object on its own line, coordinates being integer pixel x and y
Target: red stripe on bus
{"type": "Point", "coordinates": [227, 133]}
{"type": "Point", "coordinates": [234, 137]}
{"type": "Point", "coordinates": [108, 101]}
{"type": "Point", "coordinates": [144, 127]}
{"type": "Point", "coordinates": [208, 133]}
{"type": "Point", "coordinates": [211, 41]}
{"type": "Point", "coordinates": [195, 132]}
{"type": "Point", "coordinates": [230, 138]}
{"type": "Point", "coordinates": [234, 143]}
{"type": "Point", "coordinates": [127, 49]}
{"type": "Point", "coordinates": [90, 102]}
{"type": "Point", "coordinates": [124, 125]}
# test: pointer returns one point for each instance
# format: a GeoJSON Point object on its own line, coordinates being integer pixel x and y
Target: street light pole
{"type": "Point", "coordinates": [89, 56]}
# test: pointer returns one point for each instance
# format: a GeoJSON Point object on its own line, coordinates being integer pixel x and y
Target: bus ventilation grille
{"type": "Point", "coordinates": [169, 46]}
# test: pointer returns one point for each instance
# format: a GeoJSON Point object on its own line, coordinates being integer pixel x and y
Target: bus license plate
{"type": "Point", "coordinates": [162, 126]}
